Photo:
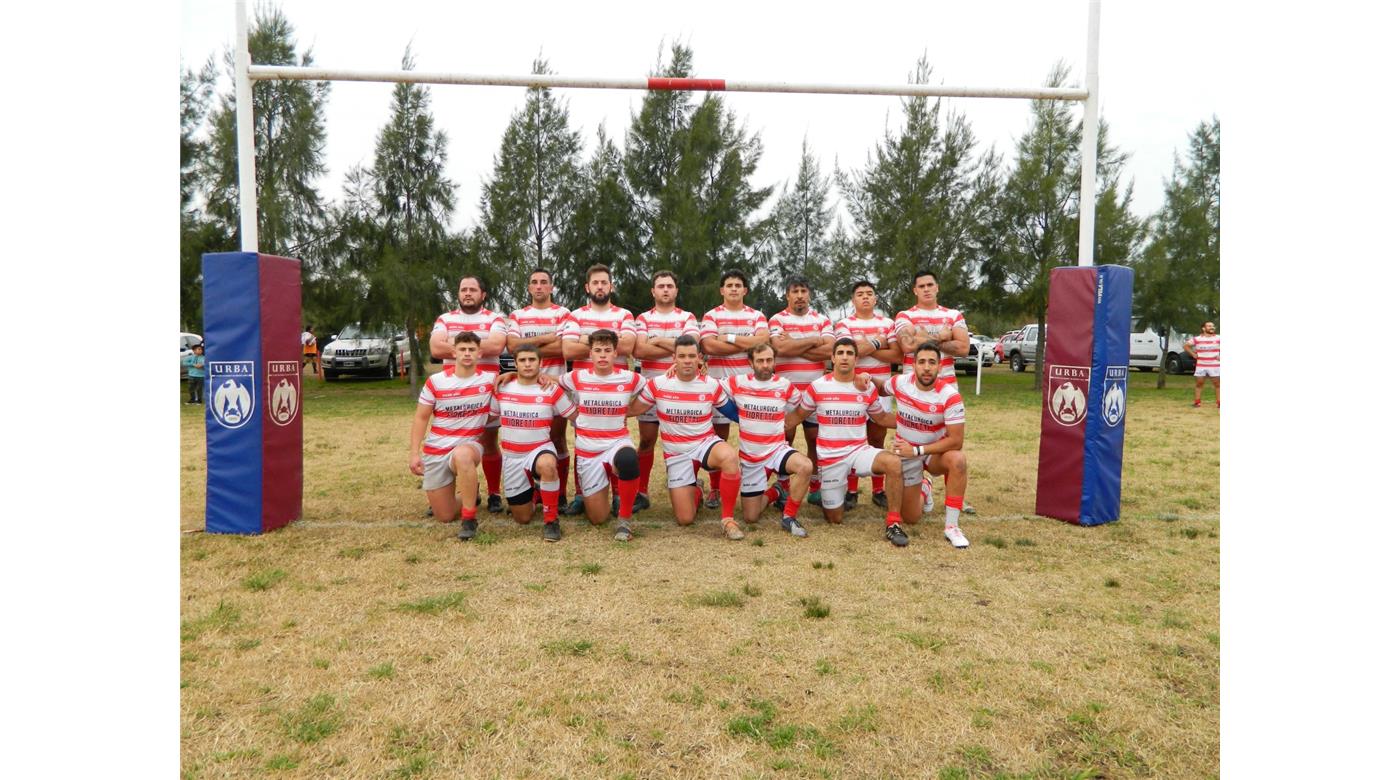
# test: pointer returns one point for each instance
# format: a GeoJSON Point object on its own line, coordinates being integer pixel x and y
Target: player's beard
{"type": "Point", "coordinates": [600, 299]}
{"type": "Point", "coordinates": [470, 309]}
{"type": "Point", "coordinates": [799, 311]}
{"type": "Point", "coordinates": [763, 375]}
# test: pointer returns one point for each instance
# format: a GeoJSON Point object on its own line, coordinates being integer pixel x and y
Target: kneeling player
{"type": "Point", "coordinates": [528, 456]}
{"type": "Point", "coordinates": [685, 406]}
{"type": "Point", "coordinates": [928, 436]}
{"type": "Point", "coordinates": [762, 401]}
{"type": "Point", "coordinates": [842, 446]}
{"type": "Point", "coordinates": [457, 405]}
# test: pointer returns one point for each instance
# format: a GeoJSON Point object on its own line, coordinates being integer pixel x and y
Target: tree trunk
{"type": "Point", "coordinates": [414, 364]}
{"type": "Point", "coordinates": [1040, 348]}
{"type": "Point", "coordinates": [1162, 367]}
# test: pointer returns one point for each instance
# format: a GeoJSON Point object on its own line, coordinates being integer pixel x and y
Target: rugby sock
{"type": "Point", "coordinates": [877, 483]}
{"type": "Point", "coordinates": [699, 497]}
{"type": "Point", "coordinates": [852, 483]}
{"type": "Point", "coordinates": [549, 496]}
{"type": "Point", "coordinates": [491, 464]}
{"type": "Point", "coordinates": [814, 485]}
{"type": "Point", "coordinates": [952, 508]}
{"type": "Point", "coordinates": [715, 480]}
{"type": "Point", "coordinates": [891, 518]}
{"type": "Point", "coordinates": [790, 509]}
{"type": "Point", "coordinates": [626, 494]}
{"type": "Point", "coordinates": [785, 483]}
{"type": "Point", "coordinates": [770, 495]}
{"type": "Point", "coordinates": [644, 460]}
{"type": "Point", "coordinates": [468, 512]}
{"type": "Point", "coordinates": [728, 494]}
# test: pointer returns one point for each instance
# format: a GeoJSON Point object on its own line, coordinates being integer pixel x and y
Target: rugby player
{"type": "Point", "coordinates": [876, 352]}
{"type": "Point", "coordinates": [727, 332]}
{"type": "Point", "coordinates": [802, 340]}
{"type": "Point", "coordinates": [457, 405]}
{"type": "Point", "coordinates": [540, 324]}
{"type": "Point", "coordinates": [1205, 350]}
{"type": "Point", "coordinates": [657, 331]}
{"type": "Point", "coordinates": [526, 409]}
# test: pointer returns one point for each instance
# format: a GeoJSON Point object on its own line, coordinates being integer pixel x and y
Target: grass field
{"type": "Point", "coordinates": [366, 641]}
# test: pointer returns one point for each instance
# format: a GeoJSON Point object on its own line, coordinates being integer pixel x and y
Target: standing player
{"type": "Point", "coordinates": [928, 436]}
{"type": "Point", "coordinates": [685, 407]}
{"type": "Point", "coordinates": [598, 314]}
{"type": "Point", "coordinates": [541, 325]}
{"type": "Point", "coordinates": [727, 332]}
{"type": "Point", "coordinates": [601, 441]}
{"type": "Point", "coordinates": [927, 321]}
{"type": "Point", "coordinates": [526, 410]}
{"type": "Point", "coordinates": [802, 341]}
{"type": "Point", "coordinates": [657, 331]}
{"type": "Point", "coordinates": [457, 404]}
{"type": "Point", "coordinates": [762, 402]}
{"type": "Point", "coordinates": [490, 327]}
{"type": "Point", "coordinates": [1205, 349]}
{"type": "Point", "coordinates": [876, 352]}
{"type": "Point", "coordinates": [841, 439]}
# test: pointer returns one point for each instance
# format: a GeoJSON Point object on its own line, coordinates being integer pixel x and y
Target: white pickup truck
{"type": "Point", "coordinates": [1144, 353]}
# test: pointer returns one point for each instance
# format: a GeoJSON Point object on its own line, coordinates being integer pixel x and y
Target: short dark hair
{"type": "Point", "coordinates": [927, 346]}
{"type": "Point", "coordinates": [602, 336]}
{"type": "Point", "coordinates": [539, 270]}
{"type": "Point", "coordinates": [687, 340]}
{"type": "Point", "coordinates": [466, 335]}
{"type": "Point", "coordinates": [734, 273]}
{"type": "Point", "coordinates": [760, 347]}
{"type": "Point", "coordinates": [485, 288]}
{"type": "Point", "coordinates": [660, 274]}
{"type": "Point", "coordinates": [844, 341]}
{"type": "Point", "coordinates": [863, 283]}
{"type": "Point", "coordinates": [797, 280]}
{"type": "Point", "coordinates": [523, 348]}
{"type": "Point", "coordinates": [924, 272]}
{"type": "Point", "coordinates": [596, 268]}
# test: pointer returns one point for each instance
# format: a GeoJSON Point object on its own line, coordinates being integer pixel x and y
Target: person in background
{"type": "Point", "coordinates": [309, 351]}
{"type": "Point", "coordinates": [194, 368]}
{"type": "Point", "coordinates": [1205, 349]}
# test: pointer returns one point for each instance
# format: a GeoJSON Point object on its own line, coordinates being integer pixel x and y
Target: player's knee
{"type": "Point", "coordinates": [955, 461]}
{"type": "Point", "coordinates": [800, 467]}
{"type": "Point", "coordinates": [626, 465]}
{"type": "Point", "coordinates": [548, 469]}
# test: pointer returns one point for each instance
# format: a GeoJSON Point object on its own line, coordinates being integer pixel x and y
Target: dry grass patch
{"type": "Point", "coordinates": [590, 658]}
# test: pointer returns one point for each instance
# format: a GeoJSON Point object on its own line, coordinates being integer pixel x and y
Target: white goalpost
{"type": "Point", "coordinates": [246, 72]}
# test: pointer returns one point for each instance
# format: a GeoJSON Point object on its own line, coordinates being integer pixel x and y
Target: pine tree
{"type": "Point", "coordinates": [802, 222]}
{"type": "Point", "coordinates": [289, 137]}
{"type": "Point", "coordinates": [197, 233]}
{"type": "Point", "coordinates": [527, 202]}
{"type": "Point", "coordinates": [918, 202]}
{"type": "Point", "coordinates": [603, 228]}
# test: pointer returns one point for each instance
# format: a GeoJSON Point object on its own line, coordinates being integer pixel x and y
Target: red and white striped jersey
{"type": "Point", "coordinates": [530, 322]}
{"type": "Point", "coordinates": [584, 320]}
{"type": "Point", "coordinates": [924, 414]}
{"type": "Point", "coordinates": [526, 412]}
{"type": "Point", "coordinates": [684, 409]}
{"type": "Point", "coordinates": [763, 408]}
{"type": "Point", "coordinates": [460, 408]}
{"type": "Point", "coordinates": [485, 323]}
{"type": "Point", "coordinates": [931, 320]}
{"type": "Point", "coordinates": [1207, 350]}
{"type": "Point", "coordinates": [721, 322]}
{"type": "Point", "coordinates": [800, 370]}
{"type": "Point", "coordinates": [880, 327]}
{"type": "Point", "coordinates": [602, 407]}
{"type": "Point", "coordinates": [672, 325]}
{"type": "Point", "coordinates": [841, 412]}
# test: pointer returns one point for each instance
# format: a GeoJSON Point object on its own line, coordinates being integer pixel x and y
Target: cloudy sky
{"type": "Point", "coordinates": [1156, 62]}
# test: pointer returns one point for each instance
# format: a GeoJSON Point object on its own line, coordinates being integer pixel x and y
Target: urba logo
{"type": "Point", "coordinates": [283, 390]}
{"type": "Point", "coordinates": [1115, 394]}
{"type": "Point", "coordinates": [232, 398]}
{"type": "Point", "coordinates": [1067, 393]}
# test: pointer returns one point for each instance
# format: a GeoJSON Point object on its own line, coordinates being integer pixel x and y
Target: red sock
{"type": "Point", "coordinates": [699, 497]}
{"type": "Point", "coordinates": [468, 512]}
{"type": "Point", "coordinates": [852, 483]}
{"type": "Point", "coordinates": [785, 483]}
{"type": "Point", "coordinates": [770, 495]}
{"type": "Point", "coordinates": [790, 510]}
{"type": "Point", "coordinates": [891, 519]}
{"type": "Point", "coordinates": [715, 480]}
{"type": "Point", "coordinates": [626, 494]}
{"type": "Point", "coordinates": [549, 496]}
{"type": "Point", "coordinates": [728, 494]}
{"type": "Point", "coordinates": [953, 502]}
{"type": "Point", "coordinates": [491, 464]}
{"type": "Point", "coordinates": [877, 483]}
{"type": "Point", "coordinates": [645, 459]}
{"type": "Point", "coordinates": [814, 485]}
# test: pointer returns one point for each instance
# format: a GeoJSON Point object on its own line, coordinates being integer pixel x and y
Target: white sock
{"type": "Point", "coordinates": [549, 485]}
{"type": "Point", "coordinates": [950, 517]}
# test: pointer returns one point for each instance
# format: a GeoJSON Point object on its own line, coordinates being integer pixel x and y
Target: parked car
{"type": "Point", "coordinates": [979, 347]}
{"type": "Point", "coordinates": [376, 350]}
{"type": "Point", "coordinates": [187, 342]}
{"type": "Point", "coordinates": [1001, 345]}
{"type": "Point", "coordinates": [1021, 347]}
{"type": "Point", "coordinates": [1145, 352]}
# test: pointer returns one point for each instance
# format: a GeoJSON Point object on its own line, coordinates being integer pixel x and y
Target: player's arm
{"type": "Point", "coordinates": [626, 340]}
{"type": "Point", "coordinates": [883, 418]}
{"type": "Point", "coordinates": [494, 343]}
{"type": "Point", "coordinates": [795, 417]}
{"type": "Point", "coordinates": [575, 348]}
{"type": "Point", "coordinates": [957, 344]}
{"type": "Point", "coordinates": [1190, 347]}
{"type": "Point", "coordinates": [421, 416]}
{"type": "Point", "coordinates": [440, 344]}
{"type": "Point", "coordinates": [542, 342]}
{"type": "Point", "coordinates": [819, 348]}
{"type": "Point", "coordinates": [721, 346]}
{"type": "Point", "coordinates": [652, 347]}
{"type": "Point", "coordinates": [639, 406]}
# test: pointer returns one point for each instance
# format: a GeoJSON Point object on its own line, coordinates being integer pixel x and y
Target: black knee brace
{"type": "Point", "coordinates": [625, 464]}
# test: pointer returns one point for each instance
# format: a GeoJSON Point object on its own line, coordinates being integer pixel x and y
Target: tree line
{"type": "Point", "coordinates": [679, 192]}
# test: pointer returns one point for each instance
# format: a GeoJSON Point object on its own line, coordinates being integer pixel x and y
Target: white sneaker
{"type": "Point", "coordinates": [954, 535]}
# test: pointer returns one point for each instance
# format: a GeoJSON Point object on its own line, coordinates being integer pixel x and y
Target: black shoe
{"type": "Point", "coordinates": [895, 533]}
{"type": "Point", "coordinates": [493, 504]}
{"type": "Point", "coordinates": [880, 500]}
{"type": "Point", "coordinates": [851, 501]}
{"type": "Point", "coordinates": [552, 532]}
{"type": "Point", "coordinates": [468, 531]}
{"type": "Point", "coordinates": [574, 507]}
{"type": "Point", "coordinates": [641, 502]}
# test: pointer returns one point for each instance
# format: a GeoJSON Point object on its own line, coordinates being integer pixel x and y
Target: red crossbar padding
{"type": "Point", "coordinates": [698, 85]}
